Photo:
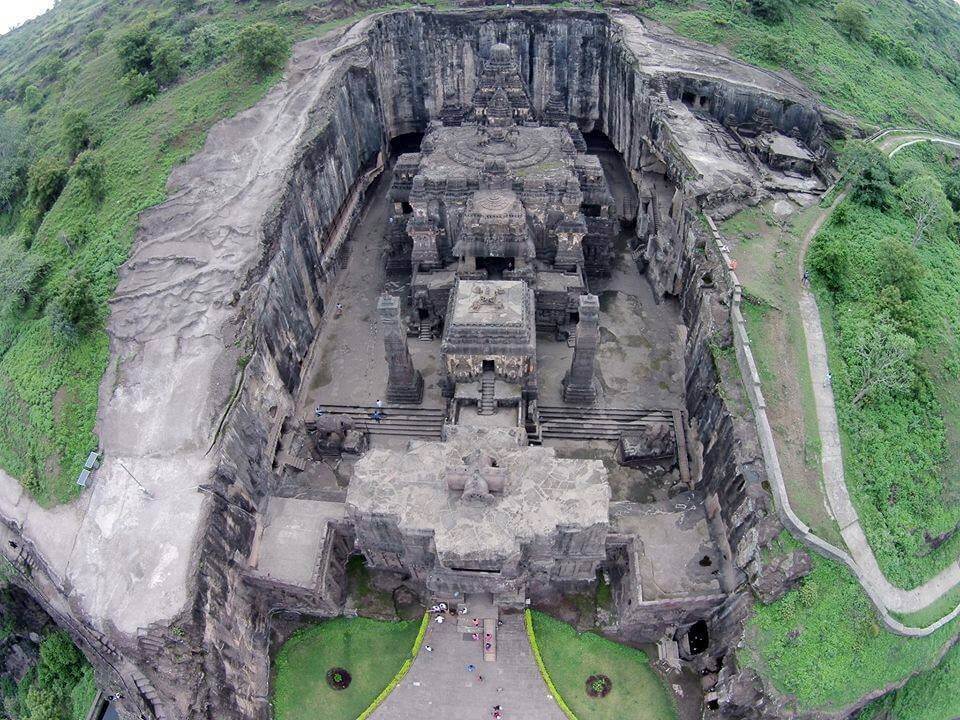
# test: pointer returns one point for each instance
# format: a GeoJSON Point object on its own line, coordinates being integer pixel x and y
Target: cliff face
{"type": "Point", "coordinates": [274, 213]}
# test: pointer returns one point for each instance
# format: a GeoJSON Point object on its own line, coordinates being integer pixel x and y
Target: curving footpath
{"type": "Point", "coordinates": [881, 590]}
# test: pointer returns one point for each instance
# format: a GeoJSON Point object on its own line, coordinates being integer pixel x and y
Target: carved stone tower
{"type": "Point", "coordinates": [404, 381]}
{"type": "Point", "coordinates": [580, 384]}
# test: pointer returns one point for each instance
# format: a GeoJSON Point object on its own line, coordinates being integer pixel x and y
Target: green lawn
{"type": "Point", "coordinates": [570, 658]}
{"type": "Point", "coordinates": [371, 650]}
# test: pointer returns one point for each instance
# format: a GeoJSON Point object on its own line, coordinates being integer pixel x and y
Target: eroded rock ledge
{"type": "Point", "coordinates": [223, 295]}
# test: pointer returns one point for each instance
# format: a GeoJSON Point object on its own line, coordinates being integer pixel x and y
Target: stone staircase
{"type": "Point", "coordinates": [399, 420]}
{"type": "Point", "coordinates": [426, 333]}
{"type": "Point", "coordinates": [576, 423]}
{"type": "Point", "coordinates": [488, 403]}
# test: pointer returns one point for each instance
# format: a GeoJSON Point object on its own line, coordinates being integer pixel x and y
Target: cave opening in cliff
{"type": "Point", "coordinates": [406, 143]}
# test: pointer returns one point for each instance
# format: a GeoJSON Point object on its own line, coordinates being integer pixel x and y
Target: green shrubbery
{"type": "Point", "coordinates": [263, 47]}
{"type": "Point", "coordinates": [149, 60]}
{"type": "Point", "coordinates": [823, 642]}
{"type": "Point", "coordinates": [888, 264]}
{"type": "Point", "coordinates": [45, 181]}
{"type": "Point", "coordinates": [59, 687]}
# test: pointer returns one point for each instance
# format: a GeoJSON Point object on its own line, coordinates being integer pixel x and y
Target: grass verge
{"type": "Point", "coordinates": [571, 657]}
{"type": "Point", "coordinates": [372, 652]}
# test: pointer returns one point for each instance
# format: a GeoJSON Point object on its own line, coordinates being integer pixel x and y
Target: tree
{"type": "Point", "coordinates": [94, 38]}
{"type": "Point", "coordinates": [13, 161]}
{"type": "Point", "coordinates": [139, 86]}
{"type": "Point", "coordinates": [135, 49]}
{"type": "Point", "coordinates": [899, 266]}
{"type": "Point", "coordinates": [770, 10]}
{"type": "Point", "coordinates": [74, 310]}
{"type": "Point", "coordinates": [830, 259]}
{"type": "Point", "coordinates": [868, 171]}
{"type": "Point", "coordinates": [21, 273]}
{"type": "Point", "coordinates": [926, 204]}
{"type": "Point", "coordinates": [89, 169]}
{"type": "Point", "coordinates": [879, 359]}
{"type": "Point", "coordinates": [45, 182]}
{"type": "Point", "coordinates": [952, 190]}
{"type": "Point", "coordinates": [852, 18]}
{"type": "Point", "coordinates": [77, 133]}
{"type": "Point", "coordinates": [263, 47]}
{"type": "Point", "coordinates": [166, 60]}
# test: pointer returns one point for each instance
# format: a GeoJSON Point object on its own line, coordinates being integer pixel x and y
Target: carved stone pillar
{"type": "Point", "coordinates": [580, 383]}
{"type": "Point", "coordinates": [404, 381]}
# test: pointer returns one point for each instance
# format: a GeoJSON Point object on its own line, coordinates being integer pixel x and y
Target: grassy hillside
{"type": "Point", "coordinates": [87, 141]}
{"type": "Point", "coordinates": [882, 291]}
{"type": "Point", "coordinates": [899, 64]}
{"type": "Point", "coordinates": [823, 644]}
{"type": "Point", "coordinates": [931, 695]}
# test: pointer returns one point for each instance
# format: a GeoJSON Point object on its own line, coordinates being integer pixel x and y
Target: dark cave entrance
{"type": "Point", "coordinates": [406, 143]}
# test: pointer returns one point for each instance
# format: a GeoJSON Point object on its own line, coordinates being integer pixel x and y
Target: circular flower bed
{"type": "Point", "coordinates": [338, 678]}
{"type": "Point", "coordinates": [598, 686]}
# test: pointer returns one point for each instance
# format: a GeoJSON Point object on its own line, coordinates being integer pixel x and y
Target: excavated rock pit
{"type": "Point", "coordinates": [225, 291]}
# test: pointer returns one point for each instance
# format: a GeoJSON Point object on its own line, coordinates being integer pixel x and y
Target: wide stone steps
{"type": "Point", "coordinates": [574, 423]}
{"type": "Point", "coordinates": [397, 419]}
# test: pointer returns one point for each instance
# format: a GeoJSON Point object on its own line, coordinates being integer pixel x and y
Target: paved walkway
{"type": "Point", "coordinates": [895, 599]}
{"type": "Point", "coordinates": [439, 686]}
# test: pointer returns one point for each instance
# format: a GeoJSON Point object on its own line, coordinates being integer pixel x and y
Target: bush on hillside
{"type": "Point", "coordinates": [45, 182]}
{"type": "Point", "coordinates": [139, 87]}
{"type": "Point", "coordinates": [13, 161]}
{"type": "Point", "coordinates": [89, 169]}
{"type": "Point", "coordinates": [852, 18]}
{"type": "Point", "coordinates": [77, 134]}
{"type": "Point", "coordinates": [166, 60]}
{"type": "Point", "coordinates": [899, 266]}
{"type": "Point", "coordinates": [770, 10]}
{"type": "Point", "coordinates": [263, 47]}
{"type": "Point", "coordinates": [135, 48]}
{"type": "Point", "coordinates": [74, 310]}
{"type": "Point", "coordinates": [206, 45]}
{"type": "Point", "coordinates": [830, 259]}
{"type": "Point", "coordinates": [21, 275]}
{"type": "Point", "coordinates": [868, 171]}
{"type": "Point", "coordinates": [149, 61]}
{"type": "Point", "coordinates": [48, 69]}
{"type": "Point", "coordinates": [32, 98]}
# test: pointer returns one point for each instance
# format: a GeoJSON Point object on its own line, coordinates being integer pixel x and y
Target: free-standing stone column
{"type": "Point", "coordinates": [580, 383]}
{"type": "Point", "coordinates": [404, 381]}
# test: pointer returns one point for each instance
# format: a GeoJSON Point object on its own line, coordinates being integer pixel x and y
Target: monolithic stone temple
{"type": "Point", "coordinates": [501, 218]}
